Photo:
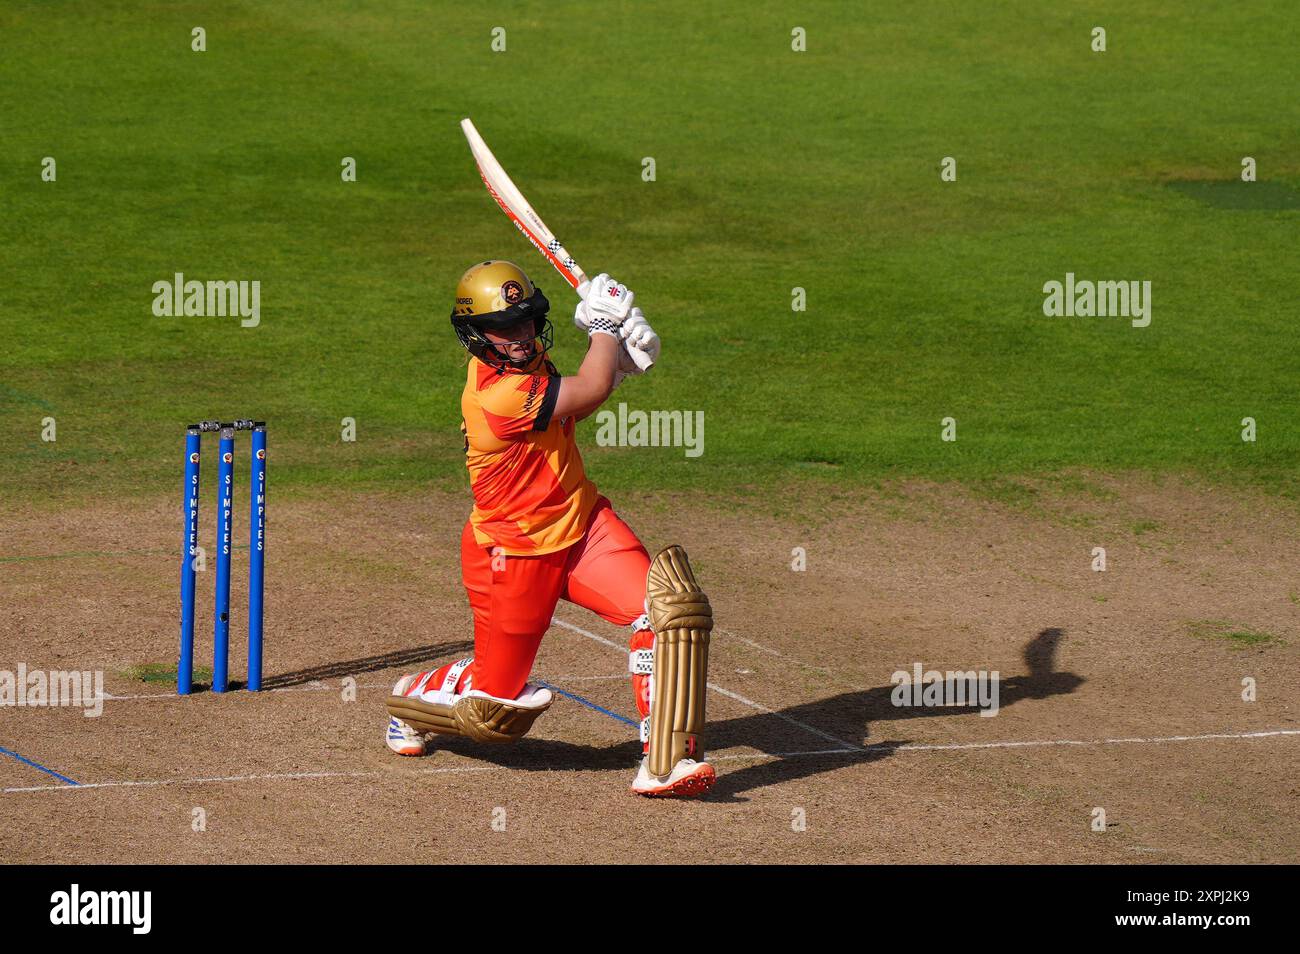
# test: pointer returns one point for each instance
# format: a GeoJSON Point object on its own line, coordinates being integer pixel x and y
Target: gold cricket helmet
{"type": "Point", "coordinates": [493, 296]}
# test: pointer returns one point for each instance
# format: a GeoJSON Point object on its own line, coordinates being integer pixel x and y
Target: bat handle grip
{"type": "Point", "coordinates": [642, 360]}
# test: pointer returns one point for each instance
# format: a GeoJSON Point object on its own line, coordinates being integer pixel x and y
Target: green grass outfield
{"type": "Point", "coordinates": [775, 169]}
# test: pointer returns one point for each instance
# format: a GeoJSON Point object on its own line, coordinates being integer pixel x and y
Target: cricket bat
{"type": "Point", "coordinates": [517, 209]}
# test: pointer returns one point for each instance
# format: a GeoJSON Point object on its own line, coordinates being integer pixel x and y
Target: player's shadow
{"type": "Point", "coordinates": [545, 755]}
{"type": "Point", "coordinates": [835, 723]}
{"type": "Point", "coordinates": [847, 717]}
{"type": "Point", "coordinates": [399, 658]}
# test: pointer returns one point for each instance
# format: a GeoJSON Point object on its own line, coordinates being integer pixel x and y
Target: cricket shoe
{"type": "Point", "coordinates": [401, 738]}
{"type": "Point", "coordinates": [688, 779]}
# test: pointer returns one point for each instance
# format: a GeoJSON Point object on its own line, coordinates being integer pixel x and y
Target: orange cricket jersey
{"type": "Point", "coordinates": [531, 494]}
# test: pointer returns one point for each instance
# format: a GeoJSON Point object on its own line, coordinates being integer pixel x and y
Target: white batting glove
{"type": "Point", "coordinates": [626, 364]}
{"type": "Point", "coordinates": [638, 336]}
{"type": "Point", "coordinates": [580, 315]}
{"type": "Point", "coordinates": [605, 305]}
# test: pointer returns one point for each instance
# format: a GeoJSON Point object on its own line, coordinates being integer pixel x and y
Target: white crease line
{"type": "Point", "coordinates": [836, 674]}
{"type": "Point", "coordinates": [784, 718]}
{"type": "Point", "coordinates": [314, 686]}
{"type": "Point", "coordinates": [757, 756]}
{"type": "Point", "coordinates": [154, 783]}
{"type": "Point", "coordinates": [759, 646]}
{"type": "Point", "coordinates": [271, 777]}
{"type": "Point", "coordinates": [621, 675]}
{"type": "Point", "coordinates": [1137, 740]}
{"type": "Point", "coordinates": [556, 621]}
{"type": "Point", "coordinates": [772, 652]}
{"type": "Point", "coordinates": [457, 771]}
{"type": "Point", "coordinates": [317, 686]}
{"type": "Point", "coordinates": [968, 746]}
{"type": "Point", "coordinates": [718, 689]}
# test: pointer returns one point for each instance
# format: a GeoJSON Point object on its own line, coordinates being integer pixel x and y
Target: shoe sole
{"type": "Point", "coordinates": [692, 786]}
{"type": "Point", "coordinates": [407, 752]}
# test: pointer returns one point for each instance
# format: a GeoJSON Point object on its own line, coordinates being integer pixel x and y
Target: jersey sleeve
{"type": "Point", "coordinates": [516, 404]}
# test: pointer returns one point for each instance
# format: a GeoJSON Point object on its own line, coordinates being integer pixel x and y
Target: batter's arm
{"type": "Point", "coordinates": [581, 393]}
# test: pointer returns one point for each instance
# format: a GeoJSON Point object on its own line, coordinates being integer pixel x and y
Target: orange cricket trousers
{"type": "Point", "coordinates": [514, 598]}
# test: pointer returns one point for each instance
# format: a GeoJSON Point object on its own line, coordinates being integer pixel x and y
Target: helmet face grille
{"type": "Point", "coordinates": [493, 296]}
{"type": "Point", "coordinates": [478, 344]}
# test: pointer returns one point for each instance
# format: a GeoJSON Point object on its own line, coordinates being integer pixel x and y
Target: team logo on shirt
{"type": "Point", "coordinates": [512, 292]}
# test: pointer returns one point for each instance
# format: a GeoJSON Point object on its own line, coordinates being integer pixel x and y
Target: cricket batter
{"type": "Point", "coordinates": [540, 531]}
